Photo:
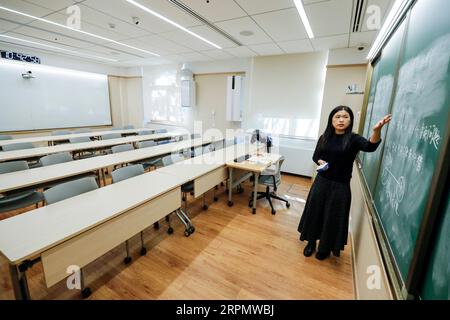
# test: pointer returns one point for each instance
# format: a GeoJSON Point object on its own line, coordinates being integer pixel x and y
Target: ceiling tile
{"type": "Point", "coordinates": [213, 36]}
{"type": "Point", "coordinates": [96, 18]}
{"type": "Point", "coordinates": [122, 10]}
{"type": "Point", "coordinates": [258, 6]}
{"type": "Point", "coordinates": [52, 4]}
{"type": "Point", "coordinates": [241, 52]}
{"type": "Point", "coordinates": [110, 53]}
{"type": "Point", "coordinates": [362, 38]}
{"type": "Point", "coordinates": [186, 40]}
{"type": "Point", "coordinates": [282, 25]}
{"type": "Point", "coordinates": [51, 37]}
{"type": "Point", "coordinates": [7, 25]}
{"type": "Point", "coordinates": [216, 10]}
{"type": "Point", "coordinates": [21, 6]}
{"type": "Point", "coordinates": [296, 46]}
{"type": "Point", "coordinates": [330, 17]}
{"type": "Point", "coordinates": [193, 56]}
{"type": "Point", "coordinates": [334, 42]}
{"type": "Point", "coordinates": [266, 49]}
{"type": "Point", "coordinates": [158, 42]}
{"type": "Point", "coordinates": [217, 54]}
{"type": "Point", "coordinates": [234, 27]}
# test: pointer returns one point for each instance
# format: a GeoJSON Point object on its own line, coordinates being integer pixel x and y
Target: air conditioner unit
{"type": "Point", "coordinates": [235, 98]}
{"type": "Point", "coordinates": [187, 88]}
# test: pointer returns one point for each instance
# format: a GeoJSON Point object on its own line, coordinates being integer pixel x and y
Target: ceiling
{"type": "Point", "coordinates": [275, 25]}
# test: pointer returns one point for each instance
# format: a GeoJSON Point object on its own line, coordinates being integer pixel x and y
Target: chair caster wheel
{"type": "Point", "coordinates": [183, 198]}
{"type": "Point", "coordinates": [288, 205]}
{"type": "Point", "coordinates": [127, 260]}
{"type": "Point", "coordinates": [189, 231]}
{"type": "Point", "coordinates": [205, 207]}
{"type": "Point", "coordinates": [273, 212]}
{"type": "Point", "coordinates": [217, 187]}
{"type": "Point", "coordinates": [186, 233]}
{"type": "Point", "coordinates": [254, 211]}
{"type": "Point", "coordinates": [216, 199]}
{"type": "Point", "coordinates": [250, 204]}
{"type": "Point", "coordinates": [192, 193]}
{"type": "Point", "coordinates": [221, 184]}
{"type": "Point", "coordinates": [143, 251]}
{"type": "Point", "coordinates": [156, 226]}
{"type": "Point", "coordinates": [86, 292]}
{"type": "Point", "coordinates": [170, 230]}
{"type": "Point", "coordinates": [230, 203]}
{"type": "Point", "coordinates": [227, 190]}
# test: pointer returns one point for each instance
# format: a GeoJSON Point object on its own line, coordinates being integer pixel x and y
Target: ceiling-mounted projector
{"type": "Point", "coordinates": [28, 75]}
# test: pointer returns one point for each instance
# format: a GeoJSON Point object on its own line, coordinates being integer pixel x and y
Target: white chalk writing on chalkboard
{"type": "Point", "coordinates": [394, 187]}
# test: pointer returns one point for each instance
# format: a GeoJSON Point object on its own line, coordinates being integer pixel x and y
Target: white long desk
{"type": "Point", "coordinates": [78, 230]}
{"type": "Point", "coordinates": [72, 147]}
{"type": "Point", "coordinates": [38, 176]}
{"type": "Point", "coordinates": [69, 136]}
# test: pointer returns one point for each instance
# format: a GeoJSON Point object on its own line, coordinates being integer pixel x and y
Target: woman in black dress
{"type": "Point", "coordinates": [327, 208]}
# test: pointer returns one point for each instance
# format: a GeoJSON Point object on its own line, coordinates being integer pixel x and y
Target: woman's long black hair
{"type": "Point", "coordinates": [330, 130]}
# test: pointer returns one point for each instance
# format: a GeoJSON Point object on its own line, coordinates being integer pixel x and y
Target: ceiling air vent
{"type": "Point", "coordinates": [188, 10]}
{"type": "Point", "coordinates": [359, 9]}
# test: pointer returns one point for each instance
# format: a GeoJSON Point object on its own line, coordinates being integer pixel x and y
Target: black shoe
{"type": "Point", "coordinates": [322, 255]}
{"type": "Point", "coordinates": [309, 249]}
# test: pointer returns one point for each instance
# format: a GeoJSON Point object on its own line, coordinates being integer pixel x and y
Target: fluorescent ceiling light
{"type": "Point", "coordinates": [172, 23]}
{"type": "Point", "coordinates": [76, 30]}
{"type": "Point", "coordinates": [397, 11]}
{"type": "Point", "coordinates": [57, 48]}
{"type": "Point", "coordinates": [301, 11]}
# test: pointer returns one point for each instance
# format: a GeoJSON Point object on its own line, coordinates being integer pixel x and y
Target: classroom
{"type": "Point", "coordinates": [231, 150]}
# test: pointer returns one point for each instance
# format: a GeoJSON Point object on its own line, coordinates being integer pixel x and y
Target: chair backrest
{"type": "Point", "coordinates": [274, 169]}
{"type": "Point", "coordinates": [55, 158]}
{"type": "Point", "coordinates": [229, 143]}
{"type": "Point", "coordinates": [127, 172]}
{"type": "Point", "coordinates": [207, 148]}
{"type": "Point", "coordinates": [127, 127]}
{"type": "Point", "coordinates": [18, 146]}
{"type": "Point", "coordinates": [145, 133]}
{"type": "Point", "coordinates": [111, 136]}
{"type": "Point", "coordinates": [161, 131]}
{"type": "Point", "coordinates": [13, 166]}
{"type": "Point", "coordinates": [70, 189]}
{"type": "Point", "coordinates": [122, 148]}
{"type": "Point", "coordinates": [83, 130]}
{"type": "Point", "coordinates": [80, 139]}
{"type": "Point", "coordinates": [5, 137]}
{"type": "Point", "coordinates": [164, 142]}
{"type": "Point", "coordinates": [146, 144]}
{"type": "Point", "coordinates": [61, 132]}
{"type": "Point", "coordinates": [171, 159]}
{"type": "Point", "coordinates": [198, 151]}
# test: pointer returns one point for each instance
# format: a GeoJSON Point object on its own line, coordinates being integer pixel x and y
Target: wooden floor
{"type": "Point", "coordinates": [232, 255]}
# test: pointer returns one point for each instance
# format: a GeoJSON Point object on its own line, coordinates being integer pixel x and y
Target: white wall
{"type": "Point", "coordinates": [189, 115]}
{"type": "Point", "coordinates": [337, 80]}
{"type": "Point", "coordinates": [287, 89]}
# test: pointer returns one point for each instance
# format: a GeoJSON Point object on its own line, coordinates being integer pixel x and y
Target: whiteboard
{"type": "Point", "coordinates": [55, 98]}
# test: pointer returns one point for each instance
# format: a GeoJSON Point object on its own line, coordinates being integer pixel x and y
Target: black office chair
{"type": "Point", "coordinates": [271, 178]}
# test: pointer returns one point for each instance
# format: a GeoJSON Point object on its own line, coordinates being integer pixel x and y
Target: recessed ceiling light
{"type": "Point", "coordinates": [73, 52]}
{"type": "Point", "coordinates": [76, 30]}
{"type": "Point", "coordinates": [171, 22]}
{"type": "Point", "coordinates": [304, 17]}
{"type": "Point", "coordinates": [246, 33]}
{"type": "Point", "coordinates": [111, 25]}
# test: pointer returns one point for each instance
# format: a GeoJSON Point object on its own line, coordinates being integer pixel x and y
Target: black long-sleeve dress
{"type": "Point", "coordinates": [327, 208]}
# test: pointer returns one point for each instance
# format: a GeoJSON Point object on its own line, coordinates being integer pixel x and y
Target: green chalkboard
{"type": "Point", "coordinates": [399, 176]}
{"type": "Point", "coordinates": [386, 71]}
{"type": "Point", "coordinates": [437, 280]}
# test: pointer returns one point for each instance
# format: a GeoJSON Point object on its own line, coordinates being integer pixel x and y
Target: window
{"type": "Point", "coordinates": [162, 98]}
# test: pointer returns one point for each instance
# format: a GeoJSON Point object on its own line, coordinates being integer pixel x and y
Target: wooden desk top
{"type": "Point", "coordinates": [70, 147]}
{"type": "Point", "coordinates": [68, 136]}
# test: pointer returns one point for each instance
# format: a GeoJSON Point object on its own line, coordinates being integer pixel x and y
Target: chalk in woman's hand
{"type": "Point", "coordinates": [322, 167]}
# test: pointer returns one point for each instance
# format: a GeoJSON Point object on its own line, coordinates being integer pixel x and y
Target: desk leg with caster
{"type": "Point", "coordinates": [255, 192]}
{"type": "Point", "coordinates": [230, 186]}
{"type": "Point", "coordinates": [19, 283]}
